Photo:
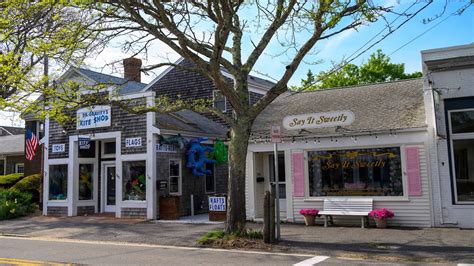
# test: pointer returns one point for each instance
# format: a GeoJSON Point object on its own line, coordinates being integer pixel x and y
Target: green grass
{"type": "Point", "coordinates": [215, 235]}
{"type": "Point", "coordinates": [10, 179]}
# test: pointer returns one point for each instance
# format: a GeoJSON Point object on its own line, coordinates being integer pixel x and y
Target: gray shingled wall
{"type": "Point", "coordinates": [129, 124]}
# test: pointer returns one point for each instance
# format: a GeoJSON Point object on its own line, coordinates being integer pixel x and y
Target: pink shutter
{"type": "Point", "coordinates": [413, 171]}
{"type": "Point", "coordinates": [297, 160]}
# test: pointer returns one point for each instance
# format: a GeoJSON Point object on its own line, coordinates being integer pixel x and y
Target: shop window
{"type": "Point", "coordinates": [219, 100]}
{"type": "Point", "coordinates": [108, 149]}
{"type": "Point", "coordinates": [2, 166]}
{"type": "Point", "coordinates": [19, 168]}
{"type": "Point", "coordinates": [210, 179]}
{"type": "Point", "coordinates": [358, 172]}
{"type": "Point", "coordinates": [462, 141]}
{"type": "Point", "coordinates": [86, 149]}
{"type": "Point", "coordinates": [58, 182]}
{"type": "Point", "coordinates": [175, 176]}
{"type": "Point", "coordinates": [86, 181]}
{"type": "Point", "coordinates": [134, 180]}
{"type": "Point", "coordinates": [281, 174]}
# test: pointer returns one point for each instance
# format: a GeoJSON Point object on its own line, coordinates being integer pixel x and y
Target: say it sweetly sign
{"type": "Point", "coordinates": [318, 120]}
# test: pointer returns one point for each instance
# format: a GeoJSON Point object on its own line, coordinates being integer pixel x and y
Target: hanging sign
{"type": "Point", "coordinates": [133, 142]}
{"type": "Point", "coordinates": [84, 142]}
{"type": "Point", "coordinates": [217, 204]}
{"type": "Point", "coordinates": [275, 134]}
{"type": "Point", "coordinates": [166, 148]}
{"type": "Point", "coordinates": [57, 148]}
{"type": "Point", "coordinates": [93, 117]}
{"type": "Point", "coordinates": [318, 120]}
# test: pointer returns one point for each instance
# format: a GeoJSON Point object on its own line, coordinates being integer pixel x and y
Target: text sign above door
{"type": "Point", "coordinates": [318, 120]}
{"type": "Point", "coordinates": [93, 117]}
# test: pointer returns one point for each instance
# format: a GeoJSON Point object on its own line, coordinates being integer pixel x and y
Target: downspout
{"type": "Point", "coordinates": [435, 138]}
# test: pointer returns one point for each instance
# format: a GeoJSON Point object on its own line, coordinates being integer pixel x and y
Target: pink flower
{"type": "Point", "coordinates": [313, 212]}
{"type": "Point", "coordinates": [382, 213]}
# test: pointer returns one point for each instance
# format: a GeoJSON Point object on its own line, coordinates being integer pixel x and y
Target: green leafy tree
{"type": "Point", "coordinates": [378, 68]}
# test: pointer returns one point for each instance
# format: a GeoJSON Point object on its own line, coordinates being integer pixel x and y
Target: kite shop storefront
{"type": "Point", "coordinates": [132, 165]}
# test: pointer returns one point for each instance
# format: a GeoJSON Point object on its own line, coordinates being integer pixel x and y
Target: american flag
{"type": "Point", "coordinates": [31, 144]}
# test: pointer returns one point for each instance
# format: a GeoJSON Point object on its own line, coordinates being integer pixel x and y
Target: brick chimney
{"type": "Point", "coordinates": [131, 69]}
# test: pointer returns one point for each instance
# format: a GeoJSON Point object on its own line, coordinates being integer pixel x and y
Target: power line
{"type": "Point", "coordinates": [368, 48]}
{"type": "Point", "coordinates": [432, 27]}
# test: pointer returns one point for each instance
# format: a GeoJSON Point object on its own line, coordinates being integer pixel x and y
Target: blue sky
{"type": "Point", "coordinates": [455, 30]}
{"type": "Point", "coordinates": [451, 31]}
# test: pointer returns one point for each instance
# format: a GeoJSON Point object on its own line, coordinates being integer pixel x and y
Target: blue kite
{"type": "Point", "coordinates": [197, 159]}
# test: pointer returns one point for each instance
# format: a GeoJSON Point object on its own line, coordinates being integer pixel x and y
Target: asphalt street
{"type": "Point", "coordinates": [31, 251]}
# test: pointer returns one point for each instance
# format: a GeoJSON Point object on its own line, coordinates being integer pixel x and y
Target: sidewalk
{"type": "Point", "coordinates": [425, 245]}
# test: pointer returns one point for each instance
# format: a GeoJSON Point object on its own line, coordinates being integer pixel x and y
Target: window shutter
{"type": "Point", "coordinates": [413, 171]}
{"type": "Point", "coordinates": [297, 160]}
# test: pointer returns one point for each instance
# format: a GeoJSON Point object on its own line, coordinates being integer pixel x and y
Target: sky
{"type": "Point", "coordinates": [403, 46]}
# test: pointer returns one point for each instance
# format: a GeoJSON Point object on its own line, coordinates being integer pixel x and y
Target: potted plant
{"type": "Point", "coordinates": [309, 216]}
{"type": "Point", "coordinates": [380, 217]}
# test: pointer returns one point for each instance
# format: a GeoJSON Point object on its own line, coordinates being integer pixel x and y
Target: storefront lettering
{"type": "Point", "coordinates": [352, 165]}
{"type": "Point", "coordinates": [318, 120]}
{"type": "Point", "coordinates": [93, 117]}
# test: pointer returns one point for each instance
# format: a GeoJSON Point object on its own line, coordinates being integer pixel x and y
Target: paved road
{"type": "Point", "coordinates": [20, 251]}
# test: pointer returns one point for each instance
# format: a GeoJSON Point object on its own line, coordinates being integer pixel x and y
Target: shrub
{"type": "Point", "coordinates": [9, 180]}
{"type": "Point", "coordinates": [29, 183]}
{"type": "Point", "coordinates": [14, 203]}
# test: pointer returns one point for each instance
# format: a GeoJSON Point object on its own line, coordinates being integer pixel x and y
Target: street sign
{"type": "Point", "coordinates": [275, 134]}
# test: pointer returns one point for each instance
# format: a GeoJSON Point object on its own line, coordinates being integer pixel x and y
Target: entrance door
{"type": "Point", "coordinates": [281, 181]}
{"type": "Point", "coordinates": [109, 195]}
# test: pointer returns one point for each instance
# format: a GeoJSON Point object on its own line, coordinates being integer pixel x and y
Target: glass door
{"type": "Point", "coordinates": [109, 187]}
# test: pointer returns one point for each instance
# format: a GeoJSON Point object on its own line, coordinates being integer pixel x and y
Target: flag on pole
{"type": "Point", "coordinates": [31, 144]}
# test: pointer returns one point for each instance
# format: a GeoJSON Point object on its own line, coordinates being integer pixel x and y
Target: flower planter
{"type": "Point", "coordinates": [309, 220]}
{"type": "Point", "coordinates": [380, 223]}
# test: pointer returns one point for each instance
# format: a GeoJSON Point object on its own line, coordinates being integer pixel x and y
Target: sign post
{"type": "Point", "coordinates": [275, 136]}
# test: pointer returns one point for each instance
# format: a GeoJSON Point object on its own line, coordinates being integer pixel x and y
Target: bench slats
{"type": "Point", "coordinates": [347, 206]}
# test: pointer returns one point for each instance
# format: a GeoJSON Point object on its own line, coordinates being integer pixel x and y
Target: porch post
{"type": "Point", "coordinates": [71, 177]}
{"type": "Point", "coordinates": [45, 163]}
{"type": "Point", "coordinates": [151, 161]}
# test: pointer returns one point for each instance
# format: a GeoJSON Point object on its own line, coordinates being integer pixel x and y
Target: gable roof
{"type": "Point", "coordinates": [252, 80]}
{"type": "Point", "coordinates": [377, 107]}
{"type": "Point", "coordinates": [5, 130]}
{"type": "Point", "coordinates": [14, 144]}
{"type": "Point", "coordinates": [126, 86]}
{"type": "Point", "coordinates": [189, 121]}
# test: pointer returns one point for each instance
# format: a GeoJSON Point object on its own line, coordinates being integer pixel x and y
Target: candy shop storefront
{"type": "Point", "coordinates": [357, 142]}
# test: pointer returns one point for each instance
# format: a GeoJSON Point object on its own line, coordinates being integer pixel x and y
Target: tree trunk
{"type": "Point", "coordinates": [240, 133]}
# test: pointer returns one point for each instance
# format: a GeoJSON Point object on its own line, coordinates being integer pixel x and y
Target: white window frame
{"type": "Point", "coordinates": [205, 180]}
{"type": "Point", "coordinates": [214, 100]}
{"type": "Point", "coordinates": [102, 150]}
{"type": "Point", "coordinates": [17, 166]}
{"type": "Point", "coordinates": [404, 197]}
{"type": "Point", "coordinates": [67, 180]}
{"type": "Point", "coordinates": [180, 177]}
{"type": "Point", "coordinates": [452, 138]}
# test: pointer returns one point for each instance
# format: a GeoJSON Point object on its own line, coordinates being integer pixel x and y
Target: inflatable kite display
{"type": "Point", "coordinates": [174, 140]}
{"type": "Point", "coordinates": [197, 159]}
{"type": "Point", "coordinates": [220, 152]}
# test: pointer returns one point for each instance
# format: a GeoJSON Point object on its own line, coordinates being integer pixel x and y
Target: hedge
{"type": "Point", "coordinates": [14, 203]}
{"type": "Point", "coordinates": [29, 183]}
{"type": "Point", "coordinates": [8, 180]}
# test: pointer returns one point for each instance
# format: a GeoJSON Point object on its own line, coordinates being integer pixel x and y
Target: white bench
{"type": "Point", "coordinates": [347, 206]}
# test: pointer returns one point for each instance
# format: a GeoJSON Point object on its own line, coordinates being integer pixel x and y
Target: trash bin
{"type": "Point", "coordinates": [169, 208]}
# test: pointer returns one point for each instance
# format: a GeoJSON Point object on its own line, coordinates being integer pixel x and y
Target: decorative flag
{"type": "Point", "coordinates": [31, 144]}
